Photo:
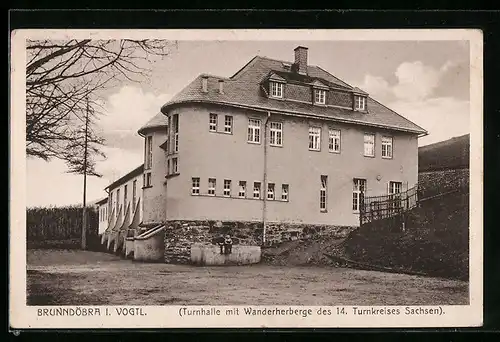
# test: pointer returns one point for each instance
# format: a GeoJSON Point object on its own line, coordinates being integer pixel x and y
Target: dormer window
{"type": "Point", "coordinates": [319, 96]}
{"type": "Point", "coordinates": [276, 89]}
{"type": "Point", "coordinates": [359, 103]}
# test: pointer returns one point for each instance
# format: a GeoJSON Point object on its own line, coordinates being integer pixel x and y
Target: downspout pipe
{"type": "Point", "coordinates": [264, 207]}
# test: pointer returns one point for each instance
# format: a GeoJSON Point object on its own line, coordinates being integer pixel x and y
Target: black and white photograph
{"type": "Point", "coordinates": [304, 178]}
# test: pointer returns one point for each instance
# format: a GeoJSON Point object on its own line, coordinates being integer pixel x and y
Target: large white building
{"type": "Point", "coordinates": [278, 147]}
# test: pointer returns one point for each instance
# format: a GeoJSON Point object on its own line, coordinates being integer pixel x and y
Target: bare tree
{"type": "Point", "coordinates": [61, 76]}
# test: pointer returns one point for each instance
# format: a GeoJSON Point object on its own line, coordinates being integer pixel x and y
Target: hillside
{"type": "Point", "coordinates": [436, 238]}
{"type": "Point", "coordinates": [449, 154]}
{"type": "Point", "coordinates": [435, 241]}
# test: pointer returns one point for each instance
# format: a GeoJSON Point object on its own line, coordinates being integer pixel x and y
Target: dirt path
{"type": "Point", "coordinates": [91, 278]}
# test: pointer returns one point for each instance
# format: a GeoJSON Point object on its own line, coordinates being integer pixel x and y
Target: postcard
{"type": "Point", "coordinates": [246, 178]}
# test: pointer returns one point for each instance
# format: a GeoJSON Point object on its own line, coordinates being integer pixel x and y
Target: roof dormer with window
{"type": "Point", "coordinates": [359, 100]}
{"type": "Point", "coordinates": [276, 86]}
{"type": "Point", "coordinates": [292, 82]}
{"type": "Point", "coordinates": [319, 91]}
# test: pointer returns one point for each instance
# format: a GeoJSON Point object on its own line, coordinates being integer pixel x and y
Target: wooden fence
{"type": "Point", "coordinates": [59, 223]}
{"type": "Point", "coordinates": [374, 208]}
{"type": "Point", "coordinates": [380, 207]}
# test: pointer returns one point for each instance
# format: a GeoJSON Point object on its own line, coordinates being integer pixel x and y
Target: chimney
{"type": "Point", "coordinates": [204, 84]}
{"type": "Point", "coordinates": [301, 59]}
{"type": "Point", "coordinates": [221, 86]}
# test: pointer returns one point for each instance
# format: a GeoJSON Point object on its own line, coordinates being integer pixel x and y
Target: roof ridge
{"type": "Point", "coordinates": [255, 58]}
{"type": "Point", "coordinates": [214, 76]}
{"type": "Point", "coordinates": [329, 73]}
{"type": "Point", "coordinates": [120, 179]}
{"type": "Point", "coordinates": [244, 66]}
{"type": "Point", "coordinates": [288, 62]}
{"type": "Point", "coordinates": [274, 59]}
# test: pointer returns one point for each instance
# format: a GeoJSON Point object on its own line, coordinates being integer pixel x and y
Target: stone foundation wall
{"type": "Point", "coordinates": [180, 235]}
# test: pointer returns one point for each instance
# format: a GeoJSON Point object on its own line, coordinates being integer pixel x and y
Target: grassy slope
{"type": "Point", "coordinates": [436, 237]}
{"type": "Point", "coordinates": [448, 154]}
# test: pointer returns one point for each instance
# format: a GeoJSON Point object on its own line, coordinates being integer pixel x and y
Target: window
{"type": "Point", "coordinates": [394, 188]}
{"type": "Point", "coordinates": [270, 191]}
{"type": "Point", "coordinates": [111, 200]}
{"type": "Point", "coordinates": [369, 145]}
{"type": "Point", "coordinates": [334, 140]}
{"type": "Point", "coordinates": [395, 195]}
{"type": "Point", "coordinates": [228, 124]}
{"type": "Point", "coordinates": [125, 197]}
{"type": "Point", "coordinates": [284, 192]}
{"type": "Point", "coordinates": [149, 152]}
{"type": "Point", "coordinates": [276, 134]}
{"type": "Point", "coordinates": [175, 167]}
{"type": "Point", "coordinates": [212, 124]}
{"type": "Point", "coordinates": [387, 147]}
{"type": "Point", "coordinates": [254, 131]}
{"type": "Point", "coordinates": [227, 187]}
{"type": "Point", "coordinates": [147, 179]}
{"type": "Point", "coordinates": [168, 167]}
{"type": "Point", "coordinates": [134, 193]}
{"type": "Point", "coordinates": [117, 201]}
{"type": "Point", "coordinates": [195, 189]}
{"type": "Point", "coordinates": [358, 193]}
{"type": "Point", "coordinates": [322, 193]}
{"type": "Point", "coordinates": [242, 193]}
{"type": "Point", "coordinates": [359, 102]}
{"type": "Point", "coordinates": [319, 96]}
{"type": "Point", "coordinates": [314, 138]}
{"type": "Point", "coordinates": [169, 138]}
{"type": "Point", "coordinates": [276, 89]}
{"type": "Point", "coordinates": [211, 186]}
{"type": "Point", "coordinates": [256, 190]}
{"type": "Point", "coordinates": [176, 132]}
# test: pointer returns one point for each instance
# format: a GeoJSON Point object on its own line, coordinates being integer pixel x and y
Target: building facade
{"type": "Point", "coordinates": [282, 142]}
{"type": "Point", "coordinates": [102, 211]}
{"type": "Point", "coordinates": [276, 146]}
{"type": "Point", "coordinates": [125, 194]}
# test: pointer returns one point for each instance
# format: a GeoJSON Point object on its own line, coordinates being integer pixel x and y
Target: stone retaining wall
{"type": "Point", "coordinates": [180, 235]}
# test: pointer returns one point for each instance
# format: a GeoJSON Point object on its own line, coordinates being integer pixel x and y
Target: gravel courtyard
{"type": "Point", "coordinates": [72, 277]}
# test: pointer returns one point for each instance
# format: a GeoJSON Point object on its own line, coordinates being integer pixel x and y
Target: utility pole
{"type": "Point", "coordinates": [84, 223]}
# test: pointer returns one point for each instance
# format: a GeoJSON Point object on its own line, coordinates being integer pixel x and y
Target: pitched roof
{"type": "Point", "coordinates": [157, 121]}
{"type": "Point", "coordinates": [244, 90]}
{"type": "Point", "coordinates": [296, 77]}
{"type": "Point", "coordinates": [135, 172]}
{"type": "Point", "coordinates": [97, 202]}
{"type": "Point", "coordinates": [101, 201]}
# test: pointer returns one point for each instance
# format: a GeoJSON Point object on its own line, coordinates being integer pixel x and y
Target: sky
{"type": "Point", "coordinates": [425, 81]}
